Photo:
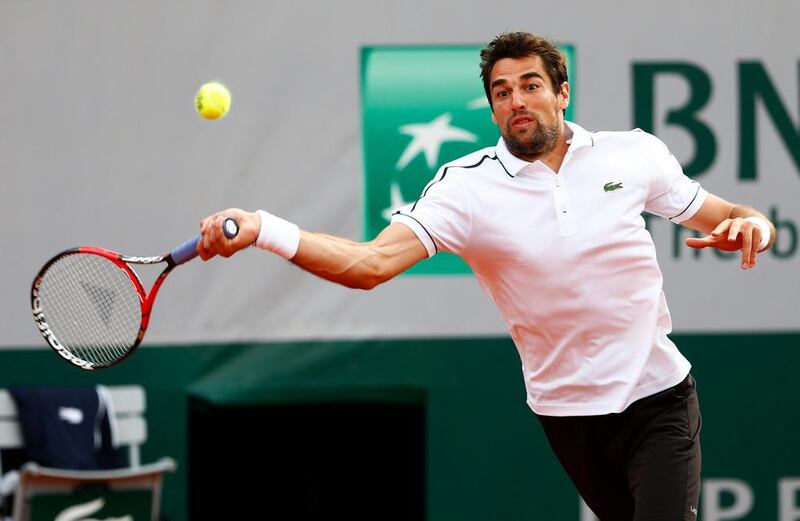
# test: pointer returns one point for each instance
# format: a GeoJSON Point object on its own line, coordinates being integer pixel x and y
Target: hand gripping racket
{"type": "Point", "coordinates": [90, 306]}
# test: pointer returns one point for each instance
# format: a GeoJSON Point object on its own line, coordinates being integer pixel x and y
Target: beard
{"type": "Point", "coordinates": [534, 142]}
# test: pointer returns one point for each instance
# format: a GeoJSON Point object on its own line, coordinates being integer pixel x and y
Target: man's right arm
{"type": "Point", "coordinates": [361, 265]}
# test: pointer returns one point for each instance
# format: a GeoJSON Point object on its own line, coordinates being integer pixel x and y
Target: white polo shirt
{"type": "Point", "coordinates": [567, 259]}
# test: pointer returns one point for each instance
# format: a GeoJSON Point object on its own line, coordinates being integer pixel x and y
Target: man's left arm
{"type": "Point", "coordinates": [731, 227]}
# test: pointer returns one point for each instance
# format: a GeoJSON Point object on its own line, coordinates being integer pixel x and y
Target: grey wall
{"type": "Point", "coordinates": [99, 144]}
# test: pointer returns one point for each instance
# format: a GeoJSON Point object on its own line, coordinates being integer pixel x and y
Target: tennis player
{"type": "Point", "coordinates": [550, 222]}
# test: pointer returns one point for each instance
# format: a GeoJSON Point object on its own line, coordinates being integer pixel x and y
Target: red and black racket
{"type": "Point", "coordinates": [91, 307]}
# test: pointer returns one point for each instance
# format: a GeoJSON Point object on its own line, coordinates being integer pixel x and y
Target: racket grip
{"type": "Point", "coordinates": [188, 250]}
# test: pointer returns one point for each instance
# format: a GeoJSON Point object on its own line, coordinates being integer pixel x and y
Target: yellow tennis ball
{"type": "Point", "coordinates": [213, 100]}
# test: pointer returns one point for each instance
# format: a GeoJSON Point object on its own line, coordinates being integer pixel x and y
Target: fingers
{"type": "Point", "coordinates": [204, 245]}
{"type": "Point", "coordinates": [212, 237]}
{"type": "Point", "coordinates": [204, 253]}
{"type": "Point", "coordinates": [699, 243]}
{"type": "Point", "coordinates": [754, 239]}
{"type": "Point", "coordinates": [732, 235]}
{"type": "Point", "coordinates": [721, 228]}
{"type": "Point", "coordinates": [747, 247]}
{"type": "Point", "coordinates": [751, 238]}
{"type": "Point", "coordinates": [212, 240]}
{"type": "Point", "coordinates": [217, 240]}
{"type": "Point", "coordinates": [734, 229]}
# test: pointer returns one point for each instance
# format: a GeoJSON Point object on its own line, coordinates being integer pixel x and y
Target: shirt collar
{"type": "Point", "coordinates": [580, 136]}
{"type": "Point", "coordinates": [576, 135]}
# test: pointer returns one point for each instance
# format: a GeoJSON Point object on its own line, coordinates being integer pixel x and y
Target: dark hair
{"type": "Point", "coordinates": [520, 45]}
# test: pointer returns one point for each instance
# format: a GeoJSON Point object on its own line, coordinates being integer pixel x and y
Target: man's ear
{"type": "Point", "coordinates": [564, 96]}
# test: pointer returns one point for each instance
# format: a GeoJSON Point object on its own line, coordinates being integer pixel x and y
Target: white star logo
{"type": "Point", "coordinates": [396, 201]}
{"type": "Point", "coordinates": [428, 139]}
{"type": "Point", "coordinates": [478, 103]}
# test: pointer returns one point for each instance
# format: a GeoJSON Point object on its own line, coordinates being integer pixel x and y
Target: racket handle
{"type": "Point", "coordinates": [188, 250]}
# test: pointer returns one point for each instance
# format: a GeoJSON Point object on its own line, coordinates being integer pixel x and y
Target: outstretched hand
{"type": "Point", "coordinates": [732, 235]}
{"type": "Point", "coordinates": [214, 242]}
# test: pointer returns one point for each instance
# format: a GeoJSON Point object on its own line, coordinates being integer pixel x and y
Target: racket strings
{"type": "Point", "coordinates": [91, 306]}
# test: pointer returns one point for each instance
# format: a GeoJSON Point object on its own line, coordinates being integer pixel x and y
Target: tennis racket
{"type": "Point", "coordinates": [90, 306]}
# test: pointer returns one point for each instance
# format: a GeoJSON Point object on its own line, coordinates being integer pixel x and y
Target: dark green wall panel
{"type": "Point", "coordinates": [486, 456]}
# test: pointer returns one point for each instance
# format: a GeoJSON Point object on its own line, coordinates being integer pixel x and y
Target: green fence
{"type": "Point", "coordinates": [485, 456]}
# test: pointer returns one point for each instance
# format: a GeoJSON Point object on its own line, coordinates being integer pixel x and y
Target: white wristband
{"type": "Point", "coordinates": [278, 235]}
{"type": "Point", "coordinates": [765, 231]}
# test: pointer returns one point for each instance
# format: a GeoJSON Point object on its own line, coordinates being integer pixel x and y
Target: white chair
{"type": "Point", "coordinates": [74, 494]}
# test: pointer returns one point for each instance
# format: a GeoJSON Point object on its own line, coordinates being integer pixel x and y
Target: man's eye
{"type": "Point", "coordinates": [502, 94]}
{"type": "Point", "coordinates": [532, 86]}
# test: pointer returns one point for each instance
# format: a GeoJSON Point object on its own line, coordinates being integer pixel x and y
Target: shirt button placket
{"type": "Point", "coordinates": [566, 223]}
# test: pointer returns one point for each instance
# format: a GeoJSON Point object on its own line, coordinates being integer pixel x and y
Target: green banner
{"type": "Point", "coordinates": [422, 107]}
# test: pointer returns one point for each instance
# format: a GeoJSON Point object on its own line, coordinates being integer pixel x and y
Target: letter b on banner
{"type": "Point", "coordinates": [644, 78]}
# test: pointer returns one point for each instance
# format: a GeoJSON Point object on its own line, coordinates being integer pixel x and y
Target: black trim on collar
{"type": "Point", "coordinates": [444, 173]}
{"type": "Point", "coordinates": [504, 166]}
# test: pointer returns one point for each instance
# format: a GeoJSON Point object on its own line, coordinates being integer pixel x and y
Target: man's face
{"type": "Point", "coordinates": [525, 107]}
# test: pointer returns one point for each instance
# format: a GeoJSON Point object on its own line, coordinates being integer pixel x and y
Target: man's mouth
{"type": "Point", "coordinates": [522, 121]}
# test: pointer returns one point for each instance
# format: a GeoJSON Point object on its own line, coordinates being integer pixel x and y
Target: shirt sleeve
{"type": "Point", "coordinates": [440, 217]}
{"type": "Point", "coordinates": [672, 194]}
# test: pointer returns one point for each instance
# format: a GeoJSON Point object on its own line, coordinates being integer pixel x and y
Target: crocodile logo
{"type": "Point", "coordinates": [611, 186]}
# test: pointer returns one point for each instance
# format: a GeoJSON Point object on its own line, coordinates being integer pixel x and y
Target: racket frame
{"type": "Point", "coordinates": [146, 299]}
{"type": "Point", "coordinates": [180, 255]}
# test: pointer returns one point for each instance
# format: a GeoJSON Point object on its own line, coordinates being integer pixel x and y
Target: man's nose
{"type": "Point", "coordinates": [517, 102]}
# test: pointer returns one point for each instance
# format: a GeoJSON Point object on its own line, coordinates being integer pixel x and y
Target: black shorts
{"type": "Point", "coordinates": [640, 464]}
